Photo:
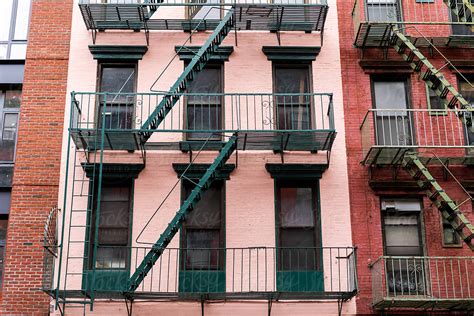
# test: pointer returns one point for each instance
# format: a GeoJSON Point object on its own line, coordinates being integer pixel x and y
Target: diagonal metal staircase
{"type": "Point", "coordinates": [448, 208]}
{"type": "Point", "coordinates": [187, 207]}
{"type": "Point", "coordinates": [197, 64]}
{"type": "Point", "coordinates": [463, 9]}
{"type": "Point", "coordinates": [432, 76]}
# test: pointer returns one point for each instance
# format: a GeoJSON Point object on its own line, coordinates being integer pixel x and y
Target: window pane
{"type": "Point", "coordinates": [5, 19]}
{"type": "Point", "coordinates": [198, 253]}
{"type": "Point", "coordinates": [390, 95]}
{"type": "Point", "coordinates": [115, 194]}
{"type": "Point", "coordinates": [292, 80]}
{"type": "Point", "coordinates": [207, 80]}
{"type": "Point", "coordinates": [4, 203]}
{"type": "Point", "coordinates": [117, 80]}
{"type": "Point", "coordinates": [113, 236]}
{"type": "Point", "coordinates": [203, 117]}
{"type": "Point", "coordinates": [111, 258]}
{"type": "Point", "coordinates": [22, 18]}
{"type": "Point", "coordinates": [435, 102]}
{"type": "Point", "coordinates": [298, 251]}
{"type": "Point", "coordinates": [114, 214]}
{"type": "Point", "coordinates": [401, 234]}
{"type": "Point", "coordinates": [12, 99]}
{"type": "Point", "coordinates": [7, 142]}
{"type": "Point", "coordinates": [3, 50]}
{"type": "Point", "coordinates": [18, 51]}
{"type": "Point", "coordinates": [296, 207]}
{"type": "Point", "coordinates": [207, 213]}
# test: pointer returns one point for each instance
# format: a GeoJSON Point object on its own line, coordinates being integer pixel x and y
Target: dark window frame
{"type": "Point", "coordinates": [308, 66]}
{"type": "Point", "coordinates": [210, 65]}
{"type": "Point", "coordinates": [92, 219]}
{"type": "Point", "coordinates": [3, 112]}
{"type": "Point", "coordinates": [391, 77]}
{"type": "Point", "coordinates": [185, 227]}
{"type": "Point", "coordinates": [420, 222]}
{"type": "Point", "coordinates": [115, 64]}
{"type": "Point", "coordinates": [317, 234]}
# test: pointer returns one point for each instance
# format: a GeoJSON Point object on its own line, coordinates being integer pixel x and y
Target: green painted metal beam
{"type": "Point", "coordinates": [195, 65]}
{"type": "Point", "coordinates": [204, 183]}
{"type": "Point", "coordinates": [448, 208]}
{"type": "Point", "coordinates": [431, 75]}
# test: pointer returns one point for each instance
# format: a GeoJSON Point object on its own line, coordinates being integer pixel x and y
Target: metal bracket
{"type": "Point", "coordinates": [270, 302]}
{"type": "Point", "coordinates": [129, 309]}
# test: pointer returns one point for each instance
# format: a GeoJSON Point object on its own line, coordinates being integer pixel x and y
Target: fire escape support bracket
{"type": "Point", "coordinates": [270, 303]}
{"type": "Point", "coordinates": [129, 305]}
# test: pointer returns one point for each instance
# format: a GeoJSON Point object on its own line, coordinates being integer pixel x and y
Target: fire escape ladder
{"type": "Point", "coordinates": [463, 9]}
{"type": "Point", "coordinates": [204, 183]}
{"type": "Point", "coordinates": [197, 64]}
{"type": "Point", "coordinates": [448, 208]}
{"type": "Point", "coordinates": [432, 76]}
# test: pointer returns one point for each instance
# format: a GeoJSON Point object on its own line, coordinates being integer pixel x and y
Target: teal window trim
{"type": "Point", "coordinates": [291, 54]}
{"type": "Point", "coordinates": [307, 175]}
{"type": "Point", "coordinates": [191, 281]}
{"type": "Point", "coordinates": [118, 52]}
{"type": "Point", "coordinates": [186, 53]}
{"type": "Point", "coordinates": [434, 112]}
{"type": "Point", "coordinates": [113, 279]}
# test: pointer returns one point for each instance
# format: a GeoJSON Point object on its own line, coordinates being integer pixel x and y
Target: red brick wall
{"type": "Point", "coordinates": [36, 173]}
{"type": "Point", "coordinates": [365, 203]}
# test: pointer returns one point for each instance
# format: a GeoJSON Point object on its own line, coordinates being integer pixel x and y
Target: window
{"type": "Point", "coordinates": [450, 237]}
{"type": "Point", "coordinates": [202, 242]}
{"type": "Point", "coordinates": [119, 80]}
{"type": "Point", "coordinates": [467, 91]}
{"type": "Point", "coordinates": [401, 228]}
{"type": "Point", "coordinates": [204, 110]}
{"type": "Point", "coordinates": [393, 122]}
{"type": "Point", "coordinates": [383, 10]}
{"type": "Point", "coordinates": [434, 102]}
{"type": "Point", "coordinates": [114, 227]}
{"type": "Point", "coordinates": [294, 110]}
{"type": "Point", "coordinates": [461, 29]}
{"type": "Point", "coordinates": [298, 230]}
{"type": "Point", "coordinates": [14, 18]}
{"type": "Point", "coordinates": [299, 237]}
{"type": "Point", "coordinates": [10, 99]}
{"type": "Point", "coordinates": [202, 236]}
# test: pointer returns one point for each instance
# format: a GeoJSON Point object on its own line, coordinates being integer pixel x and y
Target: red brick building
{"type": "Point", "coordinates": [399, 58]}
{"type": "Point", "coordinates": [34, 190]}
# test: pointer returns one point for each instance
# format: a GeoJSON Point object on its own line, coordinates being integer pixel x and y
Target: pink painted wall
{"type": "Point", "coordinates": [250, 213]}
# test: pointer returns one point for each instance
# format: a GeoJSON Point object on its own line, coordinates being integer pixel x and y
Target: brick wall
{"type": "Point", "coordinates": [365, 203]}
{"type": "Point", "coordinates": [36, 174]}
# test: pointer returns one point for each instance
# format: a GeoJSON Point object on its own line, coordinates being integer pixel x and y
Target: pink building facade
{"type": "Point", "coordinates": [227, 194]}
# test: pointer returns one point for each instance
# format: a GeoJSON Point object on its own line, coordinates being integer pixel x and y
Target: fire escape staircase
{"type": "Point", "coordinates": [156, 118]}
{"type": "Point", "coordinates": [448, 208]}
{"type": "Point", "coordinates": [453, 100]}
{"type": "Point", "coordinates": [204, 183]}
{"type": "Point", "coordinates": [197, 64]}
{"type": "Point", "coordinates": [463, 9]}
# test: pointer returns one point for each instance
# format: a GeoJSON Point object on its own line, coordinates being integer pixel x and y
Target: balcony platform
{"type": "Point", "coordinates": [173, 296]}
{"type": "Point", "coordinates": [390, 156]}
{"type": "Point", "coordinates": [278, 141]}
{"type": "Point", "coordinates": [424, 302]}
{"type": "Point", "coordinates": [373, 34]}
{"type": "Point", "coordinates": [254, 15]}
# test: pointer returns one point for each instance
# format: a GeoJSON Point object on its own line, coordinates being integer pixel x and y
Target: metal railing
{"type": "Point", "coordinates": [323, 270]}
{"type": "Point", "coordinates": [205, 3]}
{"type": "Point", "coordinates": [430, 18]}
{"type": "Point", "coordinates": [204, 113]}
{"type": "Point", "coordinates": [415, 128]}
{"type": "Point", "coordinates": [425, 278]}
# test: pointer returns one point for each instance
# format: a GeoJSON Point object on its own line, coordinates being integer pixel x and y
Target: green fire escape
{"type": "Point", "coordinates": [388, 35]}
{"type": "Point", "coordinates": [91, 140]}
